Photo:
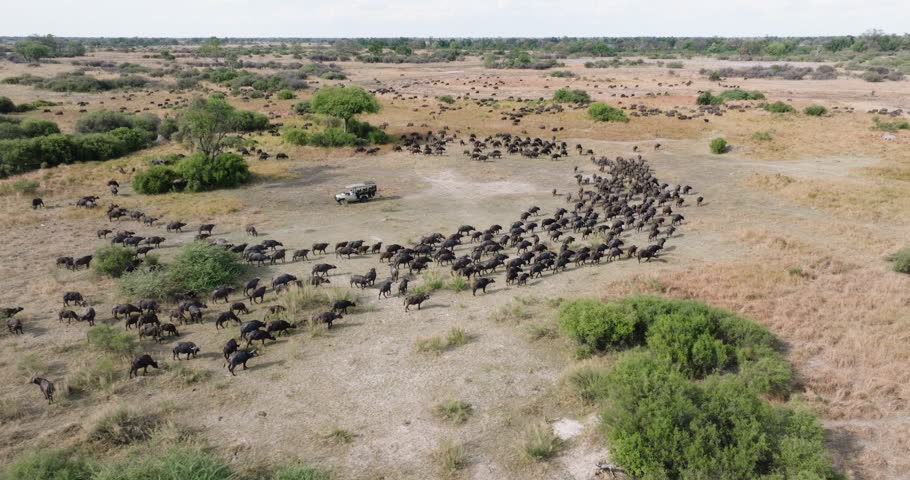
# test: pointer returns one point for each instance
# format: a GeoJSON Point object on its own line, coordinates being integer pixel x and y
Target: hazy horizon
{"type": "Point", "coordinates": [448, 18]}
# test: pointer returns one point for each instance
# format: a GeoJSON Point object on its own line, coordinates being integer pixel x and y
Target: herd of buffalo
{"type": "Point", "coordinates": [619, 197]}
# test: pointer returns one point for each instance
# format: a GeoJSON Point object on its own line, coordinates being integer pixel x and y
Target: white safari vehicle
{"type": "Point", "coordinates": [358, 192]}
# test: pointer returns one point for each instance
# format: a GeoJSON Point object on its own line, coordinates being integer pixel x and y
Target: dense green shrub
{"type": "Point", "coordinates": [227, 170]}
{"type": "Point", "coordinates": [600, 325]}
{"type": "Point", "coordinates": [302, 107]}
{"type": "Point", "coordinates": [777, 107]}
{"type": "Point", "coordinates": [707, 98]}
{"type": "Point", "coordinates": [49, 465]}
{"type": "Point", "coordinates": [815, 110]}
{"type": "Point", "coordinates": [564, 95]}
{"type": "Point", "coordinates": [294, 136]}
{"type": "Point", "coordinates": [155, 180]}
{"type": "Point", "coordinates": [901, 260]}
{"type": "Point", "coordinates": [286, 95]}
{"type": "Point", "coordinates": [145, 282]}
{"type": "Point", "coordinates": [601, 112]}
{"type": "Point", "coordinates": [365, 131]}
{"type": "Point", "coordinates": [333, 76]}
{"type": "Point", "coordinates": [7, 105]}
{"type": "Point", "coordinates": [248, 121]}
{"type": "Point", "coordinates": [112, 260]}
{"type": "Point", "coordinates": [201, 268]}
{"type": "Point", "coordinates": [662, 425]}
{"type": "Point", "coordinates": [102, 121]}
{"type": "Point", "coordinates": [718, 146]}
{"type": "Point", "coordinates": [446, 99]}
{"type": "Point", "coordinates": [689, 341]}
{"type": "Point", "coordinates": [36, 127]}
{"type": "Point", "coordinates": [113, 341]}
{"type": "Point", "coordinates": [740, 94]}
{"type": "Point", "coordinates": [168, 127]}
{"type": "Point", "coordinates": [331, 137]}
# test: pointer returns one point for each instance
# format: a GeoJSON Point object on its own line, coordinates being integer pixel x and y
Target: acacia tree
{"type": "Point", "coordinates": [33, 50]}
{"type": "Point", "coordinates": [212, 49]}
{"type": "Point", "coordinates": [343, 102]}
{"type": "Point", "coordinates": [206, 124]}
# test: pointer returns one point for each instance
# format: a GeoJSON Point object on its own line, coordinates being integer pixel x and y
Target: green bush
{"type": "Point", "coordinates": [248, 121]}
{"type": "Point", "coordinates": [332, 137]}
{"type": "Point", "coordinates": [740, 94]}
{"type": "Point", "coordinates": [101, 121]}
{"type": "Point", "coordinates": [718, 146]}
{"type": "Point", "coordinates": [201, 268]}
{"type": "Point", "coordinates": [601, 112]}
{"type": "Point", "coordinates": [333, 76]}
{"type": "Point", "coordinates": [201, 173]}
{"type": "Point", "coordinates": [35, 127]}
{"type": "Point", "coordinates": [155, 180]}
{"type": "Point", "coordinates": [707, 98]}
{"type": "Point", "coordinates": [600, 325]}
{"type": "Point", "coordinates": [777, 107]}
{"type": "Point", "coordinates": [662, 425]}
{"type": "Point", "coordinates": [7, 105]}
{"type": "Point", "coordinates": [49, 465]}
{"type": "Point", "coordinates": [564, 95]}
{"type": "Point", "coordinates": [365, 131]}
{"type": "Point", "coordinates": [112, 260]}
{"type": "Point", "coordinates": [168, 127]}
{"type": "Point", "coordinates": [302, 107]}
{"type": "Point", "coordinates": [446, 99]}
{"type": "Point", "coordinates": [124, 427]}
{"type": "Point", "coordinates": [815, 110]}
{"type": "Point", "coordinates": [714, 77]}
{"type": "Point", "coordinates": [562, 74]}
{"type": "Point", "coordinates": [901, 260]}
{"type": "Point", "coordinates": [690, 342]}
{"type": "Point", "coordinates": [294, 136]}
{"type": "Point", "coordinates": [286, 95]}
{"type": "Point", "coordinates": [145, 282]}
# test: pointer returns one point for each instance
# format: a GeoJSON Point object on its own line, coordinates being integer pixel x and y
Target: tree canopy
{"type": "Point", "coordinates": [343, 102]}
{"type": "Point", "coordinates": [206, 124]}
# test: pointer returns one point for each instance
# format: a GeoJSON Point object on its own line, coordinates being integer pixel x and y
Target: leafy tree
{"type": "Point", "coordinates": [206, 124]}
{"type": "Point", "coordinates": [33, 50]}
{"type": "Point", "coordinates": [564, 95]}
{"type": "Point", "coordinates": [212, 49]}
{"type": "Point", "coordinates": [343, 102]}
{"type": "Point", "coordinates": [226, 170]}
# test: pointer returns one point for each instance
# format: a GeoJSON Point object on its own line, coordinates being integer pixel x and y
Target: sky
{"type": "Point", "coordinates": [451, 18]}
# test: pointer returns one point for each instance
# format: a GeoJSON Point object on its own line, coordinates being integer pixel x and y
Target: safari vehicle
{"type": "Point", "coordinates": [358, 192]}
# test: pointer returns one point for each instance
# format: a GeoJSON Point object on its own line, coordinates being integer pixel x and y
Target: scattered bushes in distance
{"type": "Point", "coordinates": [562, 74]}
{"type": "Point", "coordinates": [564, 95]}
{"type": "Point", "coordinates": [718, 146]}
{"type": "Point", "coordinates": [601, 112]}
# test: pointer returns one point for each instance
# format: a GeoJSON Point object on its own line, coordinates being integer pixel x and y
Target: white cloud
{"type": "Point", "coordinates": [445, 18]}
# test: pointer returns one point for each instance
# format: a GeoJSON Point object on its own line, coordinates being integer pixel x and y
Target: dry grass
{"type": "Point", "coordinates": [449, 457]}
